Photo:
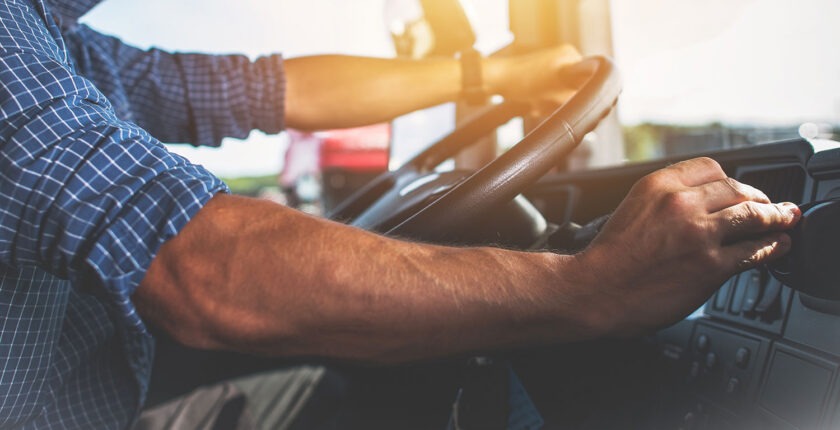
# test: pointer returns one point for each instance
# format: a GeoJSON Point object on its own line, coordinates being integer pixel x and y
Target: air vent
{"type": "Point", "coordinates": [781, 184]}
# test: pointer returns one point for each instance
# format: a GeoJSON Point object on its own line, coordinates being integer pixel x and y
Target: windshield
{"type": "Point", "coordinates": [698, 75]}
{"type": "Point", "coordinates": [702, 75]}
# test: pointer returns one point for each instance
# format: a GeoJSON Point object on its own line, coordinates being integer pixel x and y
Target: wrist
{"type": "Point", "coordinates": [494, 70]}
{"type": "Point", "coordinates": [574, 298]}
{"type": "Point", "coordinates": [593, 307]}
{"type": "Point", "coordinates": [473, 88]}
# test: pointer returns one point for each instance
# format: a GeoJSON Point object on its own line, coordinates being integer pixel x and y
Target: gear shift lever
{"type": "Point", "coordinates": [813, 264]}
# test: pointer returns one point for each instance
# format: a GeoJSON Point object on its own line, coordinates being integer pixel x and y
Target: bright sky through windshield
{"type": "Point", "coordinates": [736, 61]}
{"type": "Point", "coordinates": [692, 61]}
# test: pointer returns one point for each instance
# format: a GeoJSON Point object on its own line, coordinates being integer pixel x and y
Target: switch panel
{"type": "Point", "coordinates": [753, 298]}
{"type": "Point", "coordinates": [726, 365]}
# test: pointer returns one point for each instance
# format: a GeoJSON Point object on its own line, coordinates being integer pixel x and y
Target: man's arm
{"type": "Point", "coordinates": [335, 91]}
{"type": "Point", "coordinates": [201, 99]}
{"type": "Point", "coordinates": [254, 276]}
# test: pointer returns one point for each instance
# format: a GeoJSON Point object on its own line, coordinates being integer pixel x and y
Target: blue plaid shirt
{"type": "Point", "coordinates": [87, 196]}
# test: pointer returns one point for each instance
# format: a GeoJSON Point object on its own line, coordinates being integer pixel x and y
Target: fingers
{"type": "Point", "coordinates": [727, 192]}
{"type": "Point", "coordinates": [750, 218]}
{"type": "Point", "coordinates": [751, 253]}
{"type": "Point", "coordinates": [526, 76]}
{"type": "Point", "coordinates": [550, 102]}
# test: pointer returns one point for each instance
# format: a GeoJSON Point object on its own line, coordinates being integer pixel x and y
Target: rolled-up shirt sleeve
{"type": "Point", "coordinates": [183, 97]}
{"type": "Point", "coordinates": [83, 194]}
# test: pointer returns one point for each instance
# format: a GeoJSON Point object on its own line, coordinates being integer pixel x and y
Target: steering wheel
{"type": "Point", "coordinates": [416, 202]}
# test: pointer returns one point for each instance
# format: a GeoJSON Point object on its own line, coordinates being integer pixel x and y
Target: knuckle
{"type": "Point", "coordinates": [701, 164]}
{"type": "Point", "coordinates": [708, 163]}
{"type": "Point", "coordinates": [677, 201]}
{"type": "Point", "coordinates": [712, 258]}
{"type": "Point", "coordinates": [738, 219]}
{"type": "Point", "coordinates": [651, 181]}
{"type": "Point", "coordinates": [757, 194]}
{"type": "Point", "coordinates": [754, 215]}
{"type": "Point", "coordinates": [748, 191]}
{"type": "Point", "coordinates": [738, 188]}
{"type": "Point", "coordinates": [696, 235]}
{"type": "Point", "coordinates": [696, 230]}
{"type": "Point", "coordinates": [779, 215]}
{"type": "Point", "coordinates": [570, 49]}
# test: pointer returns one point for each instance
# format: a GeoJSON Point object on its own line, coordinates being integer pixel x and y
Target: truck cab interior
{"type": "Point", "coordinates": [754, 85]}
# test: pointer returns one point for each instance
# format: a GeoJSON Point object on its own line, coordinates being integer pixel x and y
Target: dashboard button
{"type": "Point", "coordinates": [722, 295]}
{"type": "Point", "coordinates": [754, 289]}
{"type": "Point", "coordinates": [694, 370]}
{"type": "Point", "coordinates": [733, 385]}
{"type": "Point", "coordinates": [742, 358]}
{"type": "Point", "coordinates": [689, 421]}
{"type": "Point", "coordinates": [711, 360]}
{"type": "Point", "coordinates": [703, 343]}
{"type": "Point", "coordinates": [770, 298]}
{"type": "Point", "coordinates": [738, 294]}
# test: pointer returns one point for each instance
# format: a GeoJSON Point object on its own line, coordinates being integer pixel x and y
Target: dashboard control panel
{"type": "Point", "coordinates": [761, 354]}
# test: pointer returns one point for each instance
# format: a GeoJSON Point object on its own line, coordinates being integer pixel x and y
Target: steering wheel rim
{"type": "Point", "coordinates": [464, 136]}
{"type": "Point", "coordinates": [500, 180]}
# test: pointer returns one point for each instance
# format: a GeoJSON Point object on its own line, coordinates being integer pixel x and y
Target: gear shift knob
{"type": "Point", "coordinates": [813, 264]}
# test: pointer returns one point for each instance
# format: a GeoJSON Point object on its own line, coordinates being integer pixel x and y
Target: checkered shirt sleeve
{"type": "Point", "coordinates": [86, 200]}
{"type": "Point", "coordinates": [181, 97]}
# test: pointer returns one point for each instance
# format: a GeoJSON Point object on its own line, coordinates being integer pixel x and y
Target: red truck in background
{"type": "Point", "coordinates": [322, 168]}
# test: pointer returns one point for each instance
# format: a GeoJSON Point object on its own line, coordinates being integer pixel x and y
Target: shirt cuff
{"type": "Point", "coordinates": [267, 92]}
{"type": "Point", "coordinates": [123, 253]}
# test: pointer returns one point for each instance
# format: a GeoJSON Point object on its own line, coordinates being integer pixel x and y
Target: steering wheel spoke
{"type": "Point", "coordinates": [411, 193]}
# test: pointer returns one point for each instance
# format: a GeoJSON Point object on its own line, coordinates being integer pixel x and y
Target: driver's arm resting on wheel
{"type": "Point", "coordinates": [336, 91]}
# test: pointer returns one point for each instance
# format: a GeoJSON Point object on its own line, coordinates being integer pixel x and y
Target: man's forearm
{"type": "Point", "coordinates": [254, 276]}
{"type": "Point", "coordinates": [336, 91]}
{"type": "Point", "coordinates": [258, 277]}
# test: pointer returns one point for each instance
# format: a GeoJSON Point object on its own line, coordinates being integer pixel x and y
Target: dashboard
{"type": "Point", "coordinates": [758, 355]}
